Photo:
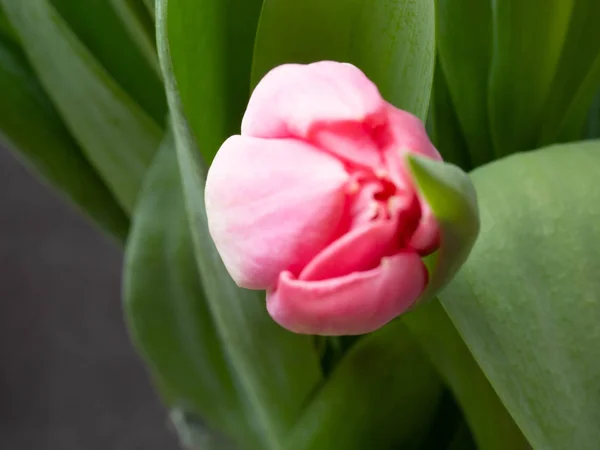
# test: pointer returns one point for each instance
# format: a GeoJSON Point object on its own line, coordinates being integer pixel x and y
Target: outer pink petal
{"type": "Point", "coordinates": [291, 99]}
{"type": "Point", "coordinates": [355, 304]}
{"type": "Point", "coordinates": [272, 205]}
{"type": "Point", "coordinates": [408, 134]}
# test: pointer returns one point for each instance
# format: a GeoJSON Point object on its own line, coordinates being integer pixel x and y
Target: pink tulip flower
{"type": "Point", "coordinates": [314, 202]}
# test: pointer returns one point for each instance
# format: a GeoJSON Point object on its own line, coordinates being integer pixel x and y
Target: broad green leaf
{"type": "Point", "coordinates": [527, 302]}
{"type": "Point", "coordinates": [451, 196]}
{"type": "Point", "coordinates": [443, 127]}
{"type": "Point", "coordinates": [34, 130]}
{"type": "Point", "coordinates": [118, 138]}
{"type": "Point", "coordinates": [211, 44]}
{"type": "Point", "coordinates": [166, 308]}
{"type": "Point", "coordinates": [98, 27]}
{"type": "Point", "coordinates": [528, 38]}
{"type": "Point", "coordinates": [490, 422]}
{"type": "Point", "coordinates": [275, 370]}
{"type": "Point", "coordinates": [392, 41]}
{"type": "Point", "coordinates": [464, 32]}
{"type": "Point", "coordinates": [140, 25]}
{"type": "Point", "coordinates": [383, 391]}
{"type": "Point", "coordinates": [577, 78]}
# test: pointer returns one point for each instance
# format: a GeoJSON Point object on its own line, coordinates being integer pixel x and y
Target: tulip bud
{"type": "Point", "coordinates": [315, 204]}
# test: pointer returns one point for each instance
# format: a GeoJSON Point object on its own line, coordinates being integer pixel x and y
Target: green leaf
{"type": "Point", "coordinates": [165, 305]}
{"type": "Point", "coordinates": [118, 138]}
{"type": "Point", "coordinates": [451, 196]}
{"type": "Point", "coordinates": [592, 130]}
{"type": "Point", "coordinates": [443, 127]}
{"type": "Point", "coordinates": [6, 29]}
{"type": "Point", "coordinates": [34, 130]}
{"type": "Point", "coordinates": [490, 422]}
{"type": "Point", "coordinates": [528, 39]}
{"type": "Point", "coordinates": [527, 302]}
{"type": "Point", "coordinates": [447, 423]}
{"type": "Point", "coordinates": [464, 32]}
{"type": "Point", "coordinates": [382, 391]}
{"type": "Point", "coordinates": [211, 44]}
{"type": "Point", "coordinates": [392, 41]}
{"type": "Point", "coordinates": [134, 68]}
{"type": "Point", "coordinates": [577, 78]}
{"type": "Point", "coordinates": [140, 25]}
{"type": "Point", "coordinates": [150, 7]}
{"type": "Point", "coordinates": [274, 369]}
{"type": "Point", "coordinates": [462, 440]}
{"type": "Point", "coordinates": [194, 434]}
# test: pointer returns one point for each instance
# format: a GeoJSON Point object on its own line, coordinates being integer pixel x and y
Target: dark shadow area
{"type": "Point", "coordinates": [69, 377]}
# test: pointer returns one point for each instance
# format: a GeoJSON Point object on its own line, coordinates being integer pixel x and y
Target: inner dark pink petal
{"type": "Point", "coordinates": [363, 206]}
{"type": "Point", "coordinates": [408, 210]}
{"type": "Point", "coordinates": [382, 136]}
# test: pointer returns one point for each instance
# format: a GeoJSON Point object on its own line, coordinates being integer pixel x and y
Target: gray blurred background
{"type": "Point", "coordinates": [69, 377]}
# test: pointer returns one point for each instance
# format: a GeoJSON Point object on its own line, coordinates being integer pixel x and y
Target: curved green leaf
{"type": "Point", "coordinates": [34, 130]}
{"type": "Point", "coordinates": [464, 41]}
{"type": "Point", "coordinates": [577, 78]}
{"type": "Point", "coordinates": [451, 196]}
{"type": "Point", "coordinates": [166, 307]}
{"type": "Point", "coordinates": [118, 138]}
{"type": "Point", "coordinates": [392, 41]}
{"type": "Point", "coordinates": [211, 45]}
{"type": "Point", "coordinates": [274, 369]}
{"type": "Point", "coordinates": [527, 302]}
{"type": "Point", "coordinates": [528, 39]}
{"type": "Point", "coordinates": [134, 68]}
{"type": "Point", "coordinates": [382, 391]}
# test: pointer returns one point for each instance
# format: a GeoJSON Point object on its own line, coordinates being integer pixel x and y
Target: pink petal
{"type": "Point", "coordinates": [293, 99]}
{"type": "Point", "coordinates": [354, 304]}
{"type": "Point", "coordinates": [272, 205]}
{"type": "Point", "coordinates": [408, 134]}
{"type": "Point", "coordinates": [405, 134]}
{"type": "Point", "coordinates": [359, 250]}
{"type": "Point", "coordinates": [363, 207]}
{"type": "Point", "coordinates": [426, 237]}
{"type": "Point", "coordinates": [350, 141]}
